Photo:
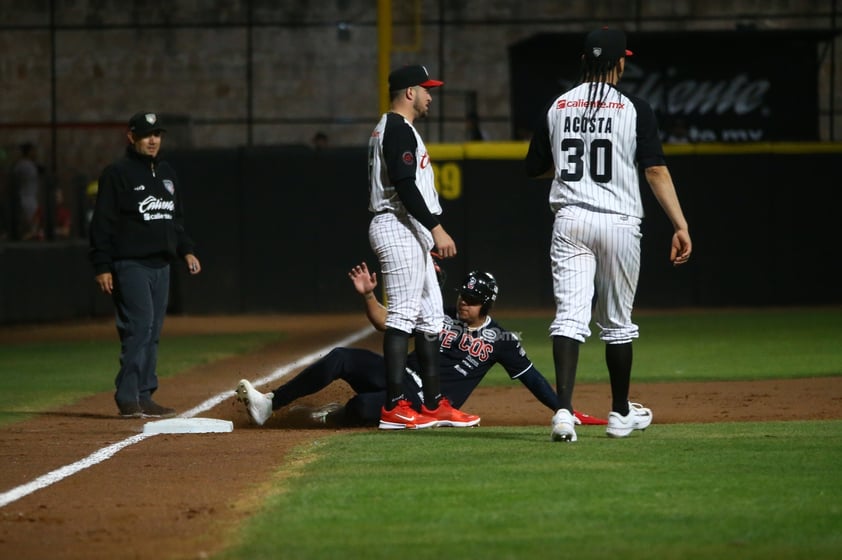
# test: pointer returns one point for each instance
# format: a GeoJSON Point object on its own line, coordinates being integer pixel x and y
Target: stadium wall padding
{"type": "Point", "coordinates": [277, 229]}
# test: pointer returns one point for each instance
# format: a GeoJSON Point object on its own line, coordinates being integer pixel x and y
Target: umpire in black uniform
{"type": "Point", "coordinates": [137, 230]}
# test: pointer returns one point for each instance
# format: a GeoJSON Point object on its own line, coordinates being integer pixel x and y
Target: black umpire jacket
{"type": "Point", "coordinates": [138, 214]}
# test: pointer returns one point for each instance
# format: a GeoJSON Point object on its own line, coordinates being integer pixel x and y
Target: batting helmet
{"type": "Point", "coordinates": [479, 287]}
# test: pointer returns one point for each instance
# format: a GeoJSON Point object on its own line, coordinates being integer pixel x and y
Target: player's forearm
{"type": "Point", "coordinates": [660, 181]}
{"type": "Point", "coordinates": [375, 312]}
{"type": "Point", "coordinates": [540, 388]}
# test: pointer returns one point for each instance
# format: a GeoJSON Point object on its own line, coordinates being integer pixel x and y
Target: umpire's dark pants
{"type": "Point", "coordinates": [140, 297]}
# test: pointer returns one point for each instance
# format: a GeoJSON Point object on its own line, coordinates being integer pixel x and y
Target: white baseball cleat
{"type": "Point", "coordinates": [563, 426]}
{"type": "Point", "coordinates": [258, 405]}
{"type": "Point", "coordinates": [638, 418]}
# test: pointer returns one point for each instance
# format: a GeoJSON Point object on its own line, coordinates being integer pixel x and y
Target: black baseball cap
{"type": "Point", "coordinates": [145, 123]}
{"type": "Point", "coordinates": [606, 44]}
{"type": "Point", "coordinates": [409, 76]}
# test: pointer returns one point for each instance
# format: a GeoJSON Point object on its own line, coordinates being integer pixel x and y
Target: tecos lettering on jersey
{"type": "Point", "coordinates": [476, 347]}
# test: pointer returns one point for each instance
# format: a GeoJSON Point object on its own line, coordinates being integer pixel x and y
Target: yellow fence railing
{"type": "Point", "coordinates": [517, 150]}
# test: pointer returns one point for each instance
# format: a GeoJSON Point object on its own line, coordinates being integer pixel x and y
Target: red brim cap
{"type": "Point", "coordinates": [628, 52]}
{"type": "Point", "coordinates": [431, 84]}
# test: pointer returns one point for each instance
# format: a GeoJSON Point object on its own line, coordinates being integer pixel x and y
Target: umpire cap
{"type": "Point", "coordinates": [145, 123]}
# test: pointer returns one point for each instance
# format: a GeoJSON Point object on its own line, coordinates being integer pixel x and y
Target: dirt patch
{"type": "Point", "coordinates": [184, 496]}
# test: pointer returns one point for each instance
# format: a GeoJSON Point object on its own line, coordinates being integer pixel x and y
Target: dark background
{"type": "Point", "coordinates": [277, 229]}
{"type": "Point", "coordinates": [705, 79]}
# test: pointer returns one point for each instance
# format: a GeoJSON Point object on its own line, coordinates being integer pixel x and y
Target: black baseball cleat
{"type": "Point", "coordinates": [151, 409]}
{"type": "Point", "coordinates": [130, 410]}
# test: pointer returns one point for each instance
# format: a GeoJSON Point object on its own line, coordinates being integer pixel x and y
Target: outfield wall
{"type": "Point", "coordinates": [278, 228]}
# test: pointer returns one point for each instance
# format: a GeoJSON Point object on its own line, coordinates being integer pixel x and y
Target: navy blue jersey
{"type": "Point", "coordinates": [468, 354]}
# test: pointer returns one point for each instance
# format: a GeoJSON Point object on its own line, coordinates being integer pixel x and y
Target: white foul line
{"type": "Point", "coordinates": [101, 455]}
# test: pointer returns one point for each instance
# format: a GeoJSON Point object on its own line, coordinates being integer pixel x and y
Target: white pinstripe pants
{"type": "Point", "coordinates": [413, 295]}
{"type": "Point", "coordinates": [594, 252]}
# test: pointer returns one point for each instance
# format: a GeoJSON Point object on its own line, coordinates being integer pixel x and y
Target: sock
{"type": "Point", "coordinates": [618, 358]}
{"type": "Point", "coordinates": [427, 348]}
{"type": "Point", "coordinates": [566, 360]}
{"type": "Point", "coordinates": [395, 345]}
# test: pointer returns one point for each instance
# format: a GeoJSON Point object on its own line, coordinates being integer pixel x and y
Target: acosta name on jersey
{"type": "Point", "coordinates": [584, 124]}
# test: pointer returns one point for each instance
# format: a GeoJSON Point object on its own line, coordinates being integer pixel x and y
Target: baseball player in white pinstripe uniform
{"type": "Point", "coordinates": [402, 232]}
{"type": "Point", "coordinates": [591, 141]}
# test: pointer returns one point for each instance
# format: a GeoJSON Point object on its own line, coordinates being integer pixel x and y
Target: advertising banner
{"type": "Point", "coordinates": [736, 86]}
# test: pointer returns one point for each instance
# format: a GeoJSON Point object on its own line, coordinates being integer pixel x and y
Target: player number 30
{"type": "Point", "coordinates": [599, 164]}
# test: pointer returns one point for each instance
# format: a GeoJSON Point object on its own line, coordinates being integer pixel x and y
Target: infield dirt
{"type": "Point", "coordinates": [184, 496]}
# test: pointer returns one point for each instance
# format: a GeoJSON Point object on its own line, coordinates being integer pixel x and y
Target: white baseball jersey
{"type": "Point", "coordinates": [393, 156]}
{"type": "Point", "coordinates": [594, 137]}
{"type": "Point", "coordinates": [400, 241]}
{"type": "Point", "coordinates": [598, 137]}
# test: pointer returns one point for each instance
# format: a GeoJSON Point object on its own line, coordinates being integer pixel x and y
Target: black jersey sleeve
{"type": "Point", "coordinates": [539, 157]}
{"type": "Point", "coordinates": [414, 202]}
{"type": "Point", "coordinates": [399, 149]}
{"type": "Point", "coordinates": [649, 149]}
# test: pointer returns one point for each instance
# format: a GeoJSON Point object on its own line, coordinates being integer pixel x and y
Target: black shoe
{"type": "Point", "coordinates": [151, 409]}
{"type": "Point", "coordinates": [130, 410]}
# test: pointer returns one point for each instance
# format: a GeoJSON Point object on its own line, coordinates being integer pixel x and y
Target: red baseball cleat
{"type": "Point", "coordinates": [588, 420]}
{"type": "Point", "coordinates": [403, 417]}
{"type": "Point", "coordinates": [447, 416]}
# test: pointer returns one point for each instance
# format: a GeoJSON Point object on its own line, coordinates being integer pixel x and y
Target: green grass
{"type": "Point", "coordinates": [762, 491]}
{"type": "Point", "coordinates": [45, 375]}
{"type": "Point", "coordinates": [748, 490]}
{"type": "Point", "coordinates": [715, 345]}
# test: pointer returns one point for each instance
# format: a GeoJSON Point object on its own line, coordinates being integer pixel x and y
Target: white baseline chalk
{"type": "Point", "coordinates": [105, 453]}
